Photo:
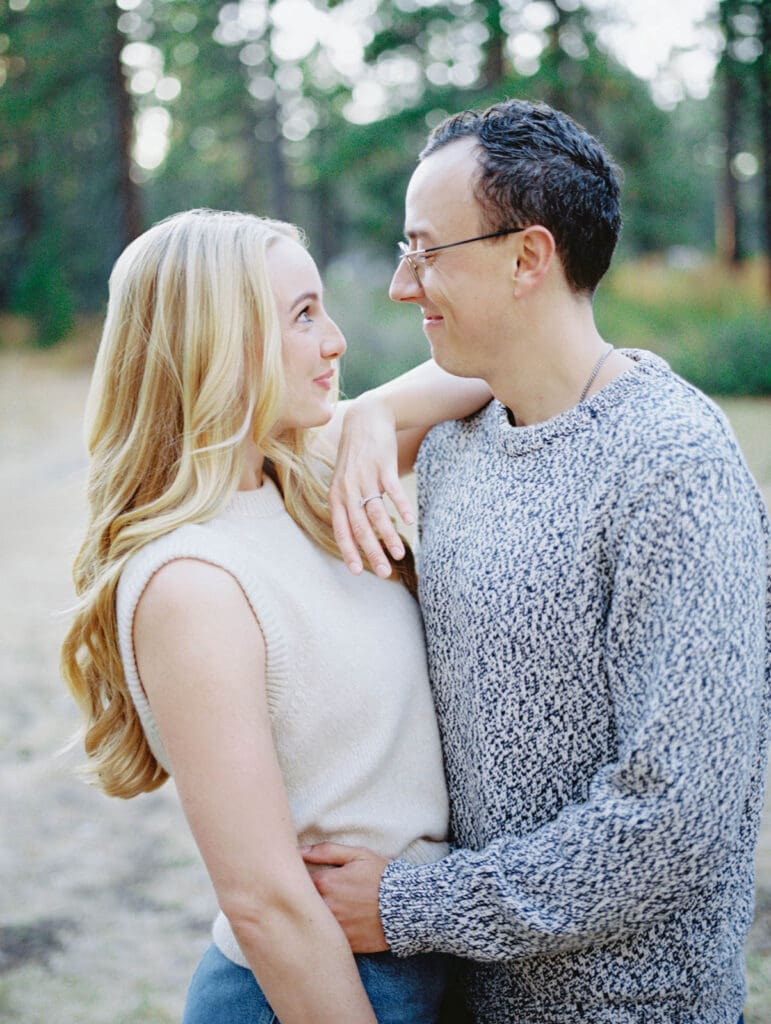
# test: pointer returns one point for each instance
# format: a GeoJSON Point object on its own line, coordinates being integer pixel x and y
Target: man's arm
{"type": "Point", "coordinates": [686, 659]}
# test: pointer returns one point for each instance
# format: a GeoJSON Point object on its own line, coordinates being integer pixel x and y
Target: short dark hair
{"type": "Point", "coordinates": [539, 167]}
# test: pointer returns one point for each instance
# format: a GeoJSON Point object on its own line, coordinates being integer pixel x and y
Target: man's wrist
{"type": "Point", "coordinates": [400, 917]}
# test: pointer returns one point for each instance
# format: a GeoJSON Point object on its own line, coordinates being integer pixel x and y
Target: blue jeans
{"type": "Point", "coordinates": [402, 990]}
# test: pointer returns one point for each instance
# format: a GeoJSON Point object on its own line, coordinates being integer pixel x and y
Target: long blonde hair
{"type": "Point", "coordinates": [188, 367]}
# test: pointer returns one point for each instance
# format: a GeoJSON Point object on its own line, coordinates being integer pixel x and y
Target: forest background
{"type": "Point", "coordinates": [115, 113]}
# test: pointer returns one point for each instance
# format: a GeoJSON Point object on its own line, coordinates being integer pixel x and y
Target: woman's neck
{"type": "Point", "coordinates": [251, 476]}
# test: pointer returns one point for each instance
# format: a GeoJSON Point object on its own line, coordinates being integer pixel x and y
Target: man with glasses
{"type": "Point", "coordinates": [593, 579]}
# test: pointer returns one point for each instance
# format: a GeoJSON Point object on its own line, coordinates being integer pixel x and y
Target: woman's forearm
{"type": "Point", "coordinates": [202, 660]}
{"type": "Point", "coordinates": [427, 395]}
{"type": "Point", "coordinates": [302, 961]}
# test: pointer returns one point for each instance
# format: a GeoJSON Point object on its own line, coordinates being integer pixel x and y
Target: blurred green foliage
{"type": "Point", "coordinates": [711, 326]}
{"type": "Point", "coordinates": [43, 293]}
{"type": "Point", "coordinates": [251, 120]}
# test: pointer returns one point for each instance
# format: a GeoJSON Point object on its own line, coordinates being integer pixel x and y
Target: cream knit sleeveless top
{"type": "Point", "coordinates": [346, 678]}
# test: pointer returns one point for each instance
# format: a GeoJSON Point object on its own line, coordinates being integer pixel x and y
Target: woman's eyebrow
{"type": "Point", "coordinates": [304, 298]}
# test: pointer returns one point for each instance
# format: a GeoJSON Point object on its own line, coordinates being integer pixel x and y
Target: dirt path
{"type": "Point", "coordinates": [104, 906]}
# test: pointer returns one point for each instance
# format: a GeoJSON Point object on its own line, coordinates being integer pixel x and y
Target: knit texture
{"type": "Point", "coordinates": [346, 677]}
{"type": "Point", "coordinates": [595, 596]}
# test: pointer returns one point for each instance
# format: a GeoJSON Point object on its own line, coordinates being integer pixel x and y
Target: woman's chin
{"type": "Point", "coordinates": [309, 419]}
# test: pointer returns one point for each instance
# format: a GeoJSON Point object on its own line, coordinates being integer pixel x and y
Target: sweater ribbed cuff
{"type": "Point", "coordinates": [415, 915]}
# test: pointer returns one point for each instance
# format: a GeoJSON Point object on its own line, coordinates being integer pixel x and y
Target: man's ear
{"type": "Point", "coordinates": [536, 250]}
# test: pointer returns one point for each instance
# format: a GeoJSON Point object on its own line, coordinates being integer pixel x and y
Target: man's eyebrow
{"type": "Point", "coordinates": [418, 232]}
{"type": "Point", "coordinates": [304, 298]}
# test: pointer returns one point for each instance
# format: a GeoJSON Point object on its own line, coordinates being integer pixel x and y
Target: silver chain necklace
{"type": "Point", "coordinates": [595, 371]}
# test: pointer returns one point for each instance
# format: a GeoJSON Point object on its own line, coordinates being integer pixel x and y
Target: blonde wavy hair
{"type": "Point", "coordinates": [189, 366]}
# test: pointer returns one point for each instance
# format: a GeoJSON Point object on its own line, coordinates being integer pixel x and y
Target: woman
{"type": "Point", "coordinates": [220, 638]}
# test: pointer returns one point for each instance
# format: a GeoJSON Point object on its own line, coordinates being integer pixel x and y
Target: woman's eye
{"type": "Point", "coordinates": [304, 316]}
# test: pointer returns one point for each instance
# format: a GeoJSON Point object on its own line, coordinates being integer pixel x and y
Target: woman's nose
{"type": "Point", "coordinates": [334, 343]}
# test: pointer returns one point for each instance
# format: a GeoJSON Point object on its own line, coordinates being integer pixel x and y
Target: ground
{"type": "Point", "coordinates": [105, 907]}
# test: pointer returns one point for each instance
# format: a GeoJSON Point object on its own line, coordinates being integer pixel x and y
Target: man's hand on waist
{"type": "Point", "coordinates": [348, 879]}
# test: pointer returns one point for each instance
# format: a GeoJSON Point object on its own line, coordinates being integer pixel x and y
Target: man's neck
{"type": "Point", "coordinates": [545, 373]}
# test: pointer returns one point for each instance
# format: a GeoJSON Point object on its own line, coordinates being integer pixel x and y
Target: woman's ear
{"type": "Point", "coordinates": [535, 251]}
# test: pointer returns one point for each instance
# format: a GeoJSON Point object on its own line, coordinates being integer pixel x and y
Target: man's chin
{"type": "Point", "coordinates": [444, 360]}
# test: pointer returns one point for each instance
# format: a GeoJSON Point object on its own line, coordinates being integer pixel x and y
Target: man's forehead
{"type": "Point", "coordinates": [441, 189]}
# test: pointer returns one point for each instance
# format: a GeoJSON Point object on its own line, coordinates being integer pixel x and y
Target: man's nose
{"type": "Point", "coordinates": [404, 287]}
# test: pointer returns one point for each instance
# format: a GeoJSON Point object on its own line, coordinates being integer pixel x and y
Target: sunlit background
{"type": "Point", "coordinates": [114, 114]}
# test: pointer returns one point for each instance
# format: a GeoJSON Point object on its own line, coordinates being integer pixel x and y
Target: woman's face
{"type": "Point", "coordinates": [311, 340]}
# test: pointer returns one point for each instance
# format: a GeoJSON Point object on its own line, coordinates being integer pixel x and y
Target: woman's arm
{"type": "Point", "coordinates": [201, 659]}
{"type": "Point", "coordinates": [377, 437]}
{"type": "Point", "coordinates": [413, 403]}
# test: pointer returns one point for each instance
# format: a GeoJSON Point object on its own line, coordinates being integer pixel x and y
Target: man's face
{"type": "Point", "coordinates": [465, 293]}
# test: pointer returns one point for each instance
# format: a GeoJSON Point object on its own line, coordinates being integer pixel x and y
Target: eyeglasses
{"type": "Point", "coordinates": [416, 258]}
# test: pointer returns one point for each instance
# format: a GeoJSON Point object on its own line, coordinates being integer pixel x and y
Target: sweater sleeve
{"type": "Point", "coordinates": [685, 655]}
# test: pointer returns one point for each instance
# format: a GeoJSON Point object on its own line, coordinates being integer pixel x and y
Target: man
{"type": "Point", "coordinates": [594, 583]}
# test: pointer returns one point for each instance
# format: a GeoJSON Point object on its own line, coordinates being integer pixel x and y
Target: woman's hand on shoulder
{"type": "Point", "coordinates": [377, 437]}
{"type": "Point", "coordinates": [367, 471]}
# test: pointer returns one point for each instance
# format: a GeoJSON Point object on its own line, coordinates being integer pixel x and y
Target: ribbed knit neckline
{"type": "Point", "coordinates": [258, 503]}
{"type": "Point", "coordinates": [523, 440]}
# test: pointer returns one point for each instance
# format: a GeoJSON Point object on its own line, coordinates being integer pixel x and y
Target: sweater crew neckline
{"type": "Point", "coordinates": [517, 441]}
{"type": "Point", "coordinates": [258, 503]}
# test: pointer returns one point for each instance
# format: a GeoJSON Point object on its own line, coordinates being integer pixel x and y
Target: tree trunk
{"type": "Point", "coordinates": [764, 91]}
{"type": "Point", "coordinates": [271, 132]}
{"type": "Point", "coordinates": [276, 163]}
{"type": "Point", "coordinates": [728, 221]}
{"type": "Point", "coordinates": [128, 193]}
{"type": "Point", "coordinates": [729, 224]}
{"type": "Point", "coordinates": [558, 93]}
{"type": "Point", "coordinates": [326, 210]}
{"type": "Point", "coordinates": [28, 211]}
{"type": "Point", "coordinates": [495, 55]}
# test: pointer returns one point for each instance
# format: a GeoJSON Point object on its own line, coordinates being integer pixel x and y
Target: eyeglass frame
{"type": "Point", "coordinates": [410, 255]}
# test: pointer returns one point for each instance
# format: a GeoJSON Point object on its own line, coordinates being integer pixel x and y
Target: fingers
{"type": "Point", "coordinates": [364, 538]}
{"type": "Point", "coordinates": [367, 529]}
{"type": "Point", "coordinates": [367, 468]}
{"type": "Point", "coordinates": [382, 525]}
{"type": "Point", "coordinates": [331, 853]}
{"type": "Point", "coordinates": [344, 536]}
{"type": "Point", "coordinates": [401, 503]}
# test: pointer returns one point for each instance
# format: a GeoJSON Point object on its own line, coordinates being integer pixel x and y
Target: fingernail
{"type": "Point", "coordinates": [305, 849]}
{"type": "Point", "coordinates": [397, 552]}
{"type": "Point", "coordinates": [409, 518]}
{"type": "Point", "coordinates": [383, 570]}
{"type": "Point", "coordinates": [355, 568]}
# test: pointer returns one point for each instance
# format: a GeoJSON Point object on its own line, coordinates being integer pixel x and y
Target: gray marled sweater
{"type": "Point", "coordinates": [595, 595]}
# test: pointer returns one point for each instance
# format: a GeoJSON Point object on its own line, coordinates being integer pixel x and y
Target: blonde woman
{"type": "Point", "coordinates": [220, 638]}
